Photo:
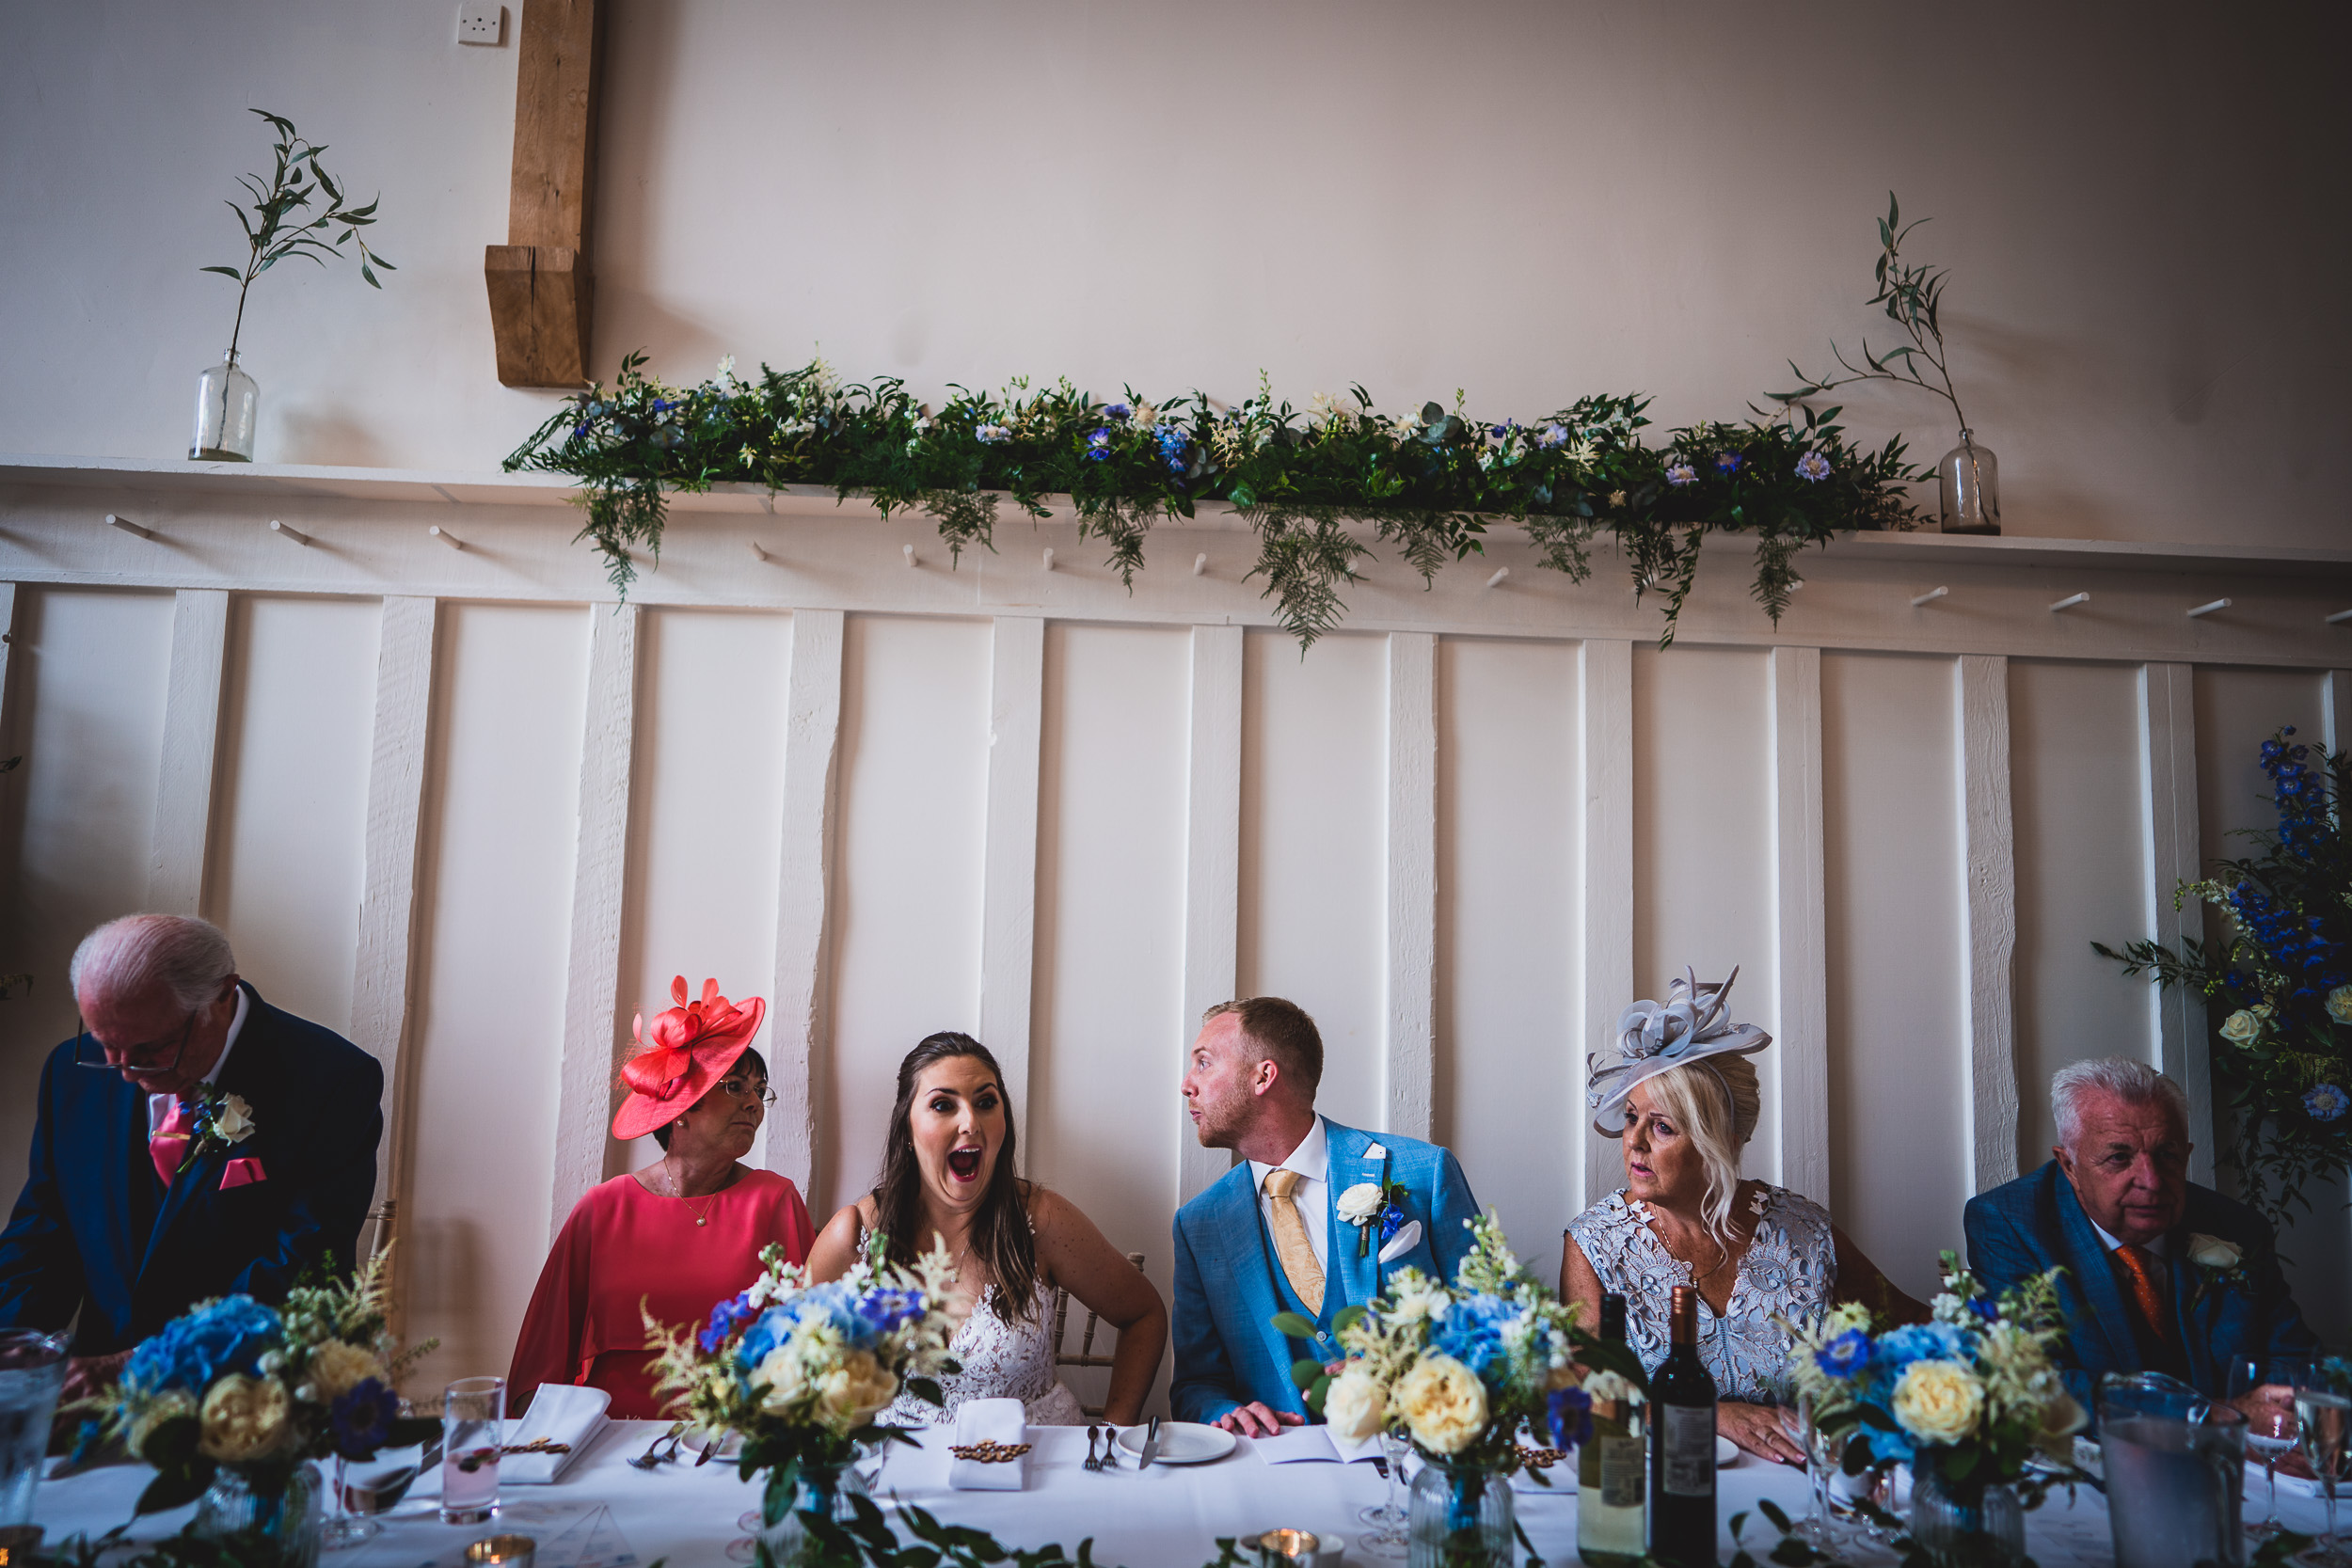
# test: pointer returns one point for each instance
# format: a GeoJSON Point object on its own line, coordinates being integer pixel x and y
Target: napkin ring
{"type": "Point", "coordinates": [988, 1453]}
{"type": "Point", "coordinates": [1541, 1459]}
{"type": "Point", "coordinates": [538, 1445]}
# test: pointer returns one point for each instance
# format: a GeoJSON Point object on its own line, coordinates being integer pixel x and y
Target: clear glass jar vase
{"type": "Point", "coordinates": [782, 1540]}
{"type": "Point", "coordinates": [1968, 487]}
{"type": "Point", "coordinates": [1980, 1526]}
{"type": "Point", "coordinates": [1459, 1516]}
{"type": "Point", "coordinates": [225, 401]}
{"type": "Point", "coordinates": [275, 1509]}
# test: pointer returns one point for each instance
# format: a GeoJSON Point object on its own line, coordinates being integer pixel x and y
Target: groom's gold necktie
{"type": "Point", "coordinates": [1290, 1241]}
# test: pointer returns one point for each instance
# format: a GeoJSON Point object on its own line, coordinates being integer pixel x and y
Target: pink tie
{"type": "Point", "coordinates": [167, 1143]}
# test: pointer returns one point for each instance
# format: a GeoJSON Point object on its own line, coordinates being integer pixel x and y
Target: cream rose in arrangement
{"type": "Point", "coordinates": [1443, 1403]}
{"type": "Point", "coordinates": [1938, 1402]}
{"type": "Point", "coordinates": [243, 1418]}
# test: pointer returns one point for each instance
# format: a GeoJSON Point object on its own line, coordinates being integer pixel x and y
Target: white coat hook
{"type": "Point", "coordinates": [1049, 560]}
{"type": "Point", "coordinates": [2071, 601]}
{"type": "Point", "coordinates": [1929, 597]}
{"type": "Point", "coordinates": [1200, 566]}
{"type": "Point", "coordinates": [757, 554]}
{"type": "Point", "coordinates": [907, 551]}
{"type": "Point", "coordinates": [2208, 609]}
{"type": "Point", "coordinates": [127, 525]}
{"type": "Point", "coordinates": [1501, 572]}
{"type": "Point", "coordinates": [446, 537]}
{"type": "Point", "coordinates": [2340, 617]}
{"type": "Point", "coordinates": [277, 527]}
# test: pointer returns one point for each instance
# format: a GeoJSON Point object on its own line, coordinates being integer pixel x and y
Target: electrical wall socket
{"type": "Point", "coordinates": [478, 24]}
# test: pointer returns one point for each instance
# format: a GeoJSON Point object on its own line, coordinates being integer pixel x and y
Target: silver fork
{"type": "Point", "coordinates": [1091, 1463]}
{"type": "Point", "coordinates": [646, 1460]}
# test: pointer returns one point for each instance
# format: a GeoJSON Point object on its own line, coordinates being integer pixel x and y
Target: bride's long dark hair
{"type": "Point", "coordinates": [1001, 1238]}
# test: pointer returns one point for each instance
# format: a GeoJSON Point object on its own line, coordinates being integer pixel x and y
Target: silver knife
{"type": "Point", "coordinates": [1151, 1444]}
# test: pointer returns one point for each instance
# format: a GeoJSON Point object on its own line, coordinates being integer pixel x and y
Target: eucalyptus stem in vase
{"type": "Point", "coordinates": [281, 223]}
{"type": "Point", "coordinates": [1967, 477]}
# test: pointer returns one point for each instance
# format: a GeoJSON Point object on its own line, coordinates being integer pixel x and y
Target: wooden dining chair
{"type": "Point", "coordinates": [1085, 1357]}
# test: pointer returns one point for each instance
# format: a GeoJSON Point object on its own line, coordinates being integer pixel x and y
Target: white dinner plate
{"type": "Point", "coordinates": [697, 1440]}
{"type": "Point", "coordinates": [1726, 1452]}
{"type": "Point", "coordinates": [1181, 1443]}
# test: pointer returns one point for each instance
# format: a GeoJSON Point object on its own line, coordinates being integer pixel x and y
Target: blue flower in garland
{"type": "Point", "coordinates": [992, 434]}
{"type": "Point", "coordinates": [1568, 1411]}
{"type": "Point", "coordinates": [1118, 411]}
{"type": "Point", "coordinates": [2325, 1103]}
{"type": "Point", "coordinates": [1176, 448]}
{"type": "Point", "coordinates": [1728, 463]}
{"type": "Point", "coordinates": [361, 1420]}
{"type": "Point", "coordinates": [1681, 473]}
{"type": "Point", "coordinates": [1551, 436]}
{"type": "Point", "coordinates": [1099, 444]}
{"type": "Point", "coordinates": [1814, 466]}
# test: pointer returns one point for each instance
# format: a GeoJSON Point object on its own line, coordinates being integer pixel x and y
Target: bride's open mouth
{"type": "Point", "coordinates": [963, 1165]}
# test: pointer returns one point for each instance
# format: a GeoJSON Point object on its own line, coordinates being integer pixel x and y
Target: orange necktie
{"type": "Point", "coordinates": [2144, 1289]}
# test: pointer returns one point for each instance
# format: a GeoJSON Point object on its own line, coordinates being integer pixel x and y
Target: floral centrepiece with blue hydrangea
{"type": "Point", "coordinates": [1974, 1394]}
{"type": "Point", "coordinates": [804, 1371]}
{"type": "Point", "coordinates": [232, 1384]}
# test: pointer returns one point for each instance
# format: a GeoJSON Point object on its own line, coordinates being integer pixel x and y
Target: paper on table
{"type": "Point", "coordinates": [561, 1413]}
{"type": "Point", "coordinates": [990, 1421]}
{"type": "Point", "coordinates": [1297, 1444]}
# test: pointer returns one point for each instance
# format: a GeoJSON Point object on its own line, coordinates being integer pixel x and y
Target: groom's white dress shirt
{"type": "Point", "coordinates": [159, 1105]}
{"type": "Point", "coordinates": [1312, 1160]}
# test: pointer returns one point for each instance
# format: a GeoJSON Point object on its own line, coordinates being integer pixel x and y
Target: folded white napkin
{"type": "Point", "coordinates": [990, 1421]}
{"type": "Point", "coordinates": [561, 1413]}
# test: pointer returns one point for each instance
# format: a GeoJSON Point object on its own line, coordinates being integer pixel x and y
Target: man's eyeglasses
{"type": "Point", "coordinates": [138, 1058]}
{"type": "Point", "coordinates": [747, 1088]}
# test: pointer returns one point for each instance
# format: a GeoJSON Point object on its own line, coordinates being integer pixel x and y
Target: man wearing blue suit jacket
{"type": "Point", "coordinates": [129, 1214]}
{"type": "Point", "coordinates": [1309, 1222]}
{"type": "Point", "coordinates": [2161, 1275]}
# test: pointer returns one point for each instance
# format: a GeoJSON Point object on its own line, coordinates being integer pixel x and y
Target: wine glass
{"type": "Point", "coordinates": [1387, 1536]}
{"type": "Point", "coordinates": [2270, 1431]}
{"type": "Point", "coordinates": [343, 1528]}
{"type": "Point", "coordinates": [2324, 1420]}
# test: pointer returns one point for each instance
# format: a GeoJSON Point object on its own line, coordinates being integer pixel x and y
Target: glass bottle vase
{"type": "Point", "coordinates": [1968, 487]}
{"type": "Point", "coordinates": [1459, 1516]}
{"type": "Point", "coordinates": [225, 401]}
{"type": "Point", "coordinates": [1981, 1526]}
{"type": "Point", "coordinates": [825, 1490]}
{"type": "Point", "coordinates": [276, 1509]}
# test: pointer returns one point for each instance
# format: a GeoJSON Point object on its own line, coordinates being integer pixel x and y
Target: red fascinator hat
{"type": "Point", "coordinates": [689, 1048]}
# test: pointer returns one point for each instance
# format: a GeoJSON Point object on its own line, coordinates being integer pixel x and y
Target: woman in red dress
{"type": "Point", "coordinates": [679, 1236]}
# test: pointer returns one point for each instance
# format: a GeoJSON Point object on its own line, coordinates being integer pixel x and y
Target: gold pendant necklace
{"type": "Point", "coordinates": [677, 1190]}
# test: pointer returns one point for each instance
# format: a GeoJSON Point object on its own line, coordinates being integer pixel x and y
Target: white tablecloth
{"type": "Point", "coordinates": [606, 1514]}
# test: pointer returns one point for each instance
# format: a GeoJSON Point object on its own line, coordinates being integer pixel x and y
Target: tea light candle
{"type": "Point", "coordinates": [502, 1551]}
{"type": "Point", "coordinates": [1289, 1546]}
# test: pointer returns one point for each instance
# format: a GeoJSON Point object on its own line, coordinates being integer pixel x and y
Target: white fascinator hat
{"type": "Point", "coordinates": [1691, 1025]}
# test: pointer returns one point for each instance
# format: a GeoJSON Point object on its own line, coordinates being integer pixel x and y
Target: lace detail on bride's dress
{"type": "Point", "coordinates": [1000, 1360]}
{"type": "Point", "coordinates": [1791, 1270]}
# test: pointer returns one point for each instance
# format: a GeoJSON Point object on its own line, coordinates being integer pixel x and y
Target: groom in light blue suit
{"type": "Point", "coordinates": [1292, 1227]}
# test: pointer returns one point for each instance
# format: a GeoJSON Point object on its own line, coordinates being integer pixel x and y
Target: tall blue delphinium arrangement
{"type": "Point", "coordinates": [2278, 983]}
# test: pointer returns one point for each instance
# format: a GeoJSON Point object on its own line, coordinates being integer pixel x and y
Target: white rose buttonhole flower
{"type": "Point", "coordinates": [1360, 1203]}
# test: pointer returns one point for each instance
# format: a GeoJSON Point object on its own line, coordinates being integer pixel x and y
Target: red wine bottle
{"type": "Point", "coordinates": [1682, 1446]}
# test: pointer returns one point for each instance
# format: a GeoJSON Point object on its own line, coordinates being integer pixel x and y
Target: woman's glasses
{"type": "Point", "coordinates": [747, 1088]}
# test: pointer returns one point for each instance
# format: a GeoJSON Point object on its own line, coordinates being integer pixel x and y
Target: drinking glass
{"type": "Point", "coordinates": [343, 1528]}
{"type": "Point", "coordinates": [473, 1432]}
{"type": "Point", "coordinates": [1387, 1537]}
{"type": "Point", "coordinates": [32, 1373]}
{"type": "Point", "coordinates": [1823, 1450]}
{"type": "Point", "coordinates": [2323, 1420]}
{"type": "Point", "coordinates": [2269, 1432]}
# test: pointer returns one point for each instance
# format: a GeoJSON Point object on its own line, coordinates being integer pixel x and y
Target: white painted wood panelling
{"type": "Point", "coordinates": [183, 798]}
{"type": "Point", "coordinates": [1010, 869]}
{"type": "Point", "coordinates": [1212, 774]}
{"type": "Point", "coordinates": [509, 705]}
{"type": "Point", "coordinates": [288, 849]}
{"type": "Point", "coordinates": [1605, 920]}
{"type": "Point", "coordinates": [1408, 1066]}
{"type": "Point", "coordinates": [2236, 711]}
{"type": "Point", "coordinates": [1313, 830]}
{"type": "Point", "coordinates": [798, 1009]}
{"type": "Point", "coordinates": [2080, 818]}
{"type": "Point", "coordinates": [1989, 842]}
{"type": "Point", "coordinates": [1896, 934]}
{"type": "Point", "coordinates": [704, 823]}
{"type": "Point", "coordinates": [2167, 718]}
{"type": "Point", "coordinates": [1510, 1081]}
{"type": "Point", "coordinates": [907, 871]}
{"type": "Point", "coordinates": [1101, 1118]}
{"type": "Point", "coordinates": [1801, 974]}
{"type": "Point", "coordinates": [88, 673]}
{"type": "Point", "coordinates": [1703, 833]}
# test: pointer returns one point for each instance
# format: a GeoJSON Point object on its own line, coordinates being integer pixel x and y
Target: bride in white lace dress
{"type": "Point", "coordinates": [1682, 1097]}
{"type": "Point", "coordinates": [949, 1171]}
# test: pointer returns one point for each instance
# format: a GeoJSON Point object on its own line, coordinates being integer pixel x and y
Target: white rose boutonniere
{"type": "Point", "coordinates": [221, 1121]}
{"type": "Point", "coordinates": [233, 1121]}
{"type": "Point", "coordinates": [2218, 1264]}
{"type": "Point", "coordinates": [1359, 1203]}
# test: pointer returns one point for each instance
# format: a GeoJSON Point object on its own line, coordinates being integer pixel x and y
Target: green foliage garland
{"type": "Point", "coordinates": [1426, 482]}
{"type": "Point", "coordinates": [2282, 980]}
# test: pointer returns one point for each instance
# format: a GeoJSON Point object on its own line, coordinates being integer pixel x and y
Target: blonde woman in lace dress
{"type": "Point", "coordinates": [949, 1173]}
{"type": "Point", "coordinates": [1682, 1096]}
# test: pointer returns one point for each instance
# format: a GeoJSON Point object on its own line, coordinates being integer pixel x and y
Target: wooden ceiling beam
{"type": "Point", "coordinates": [542, 291]}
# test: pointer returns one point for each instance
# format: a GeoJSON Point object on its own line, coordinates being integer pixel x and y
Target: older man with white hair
{"type": "Point", "coordinates": [2161, 1275]}
{"type": "Point", "coordinates": [192, 1141]}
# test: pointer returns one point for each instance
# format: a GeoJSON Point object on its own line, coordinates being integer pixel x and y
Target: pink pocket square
{"type": "Point", "coordinates": [242, 1172]}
